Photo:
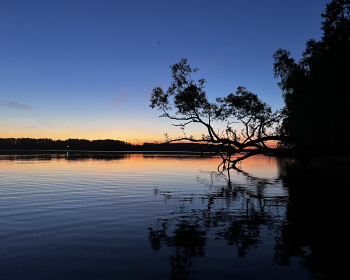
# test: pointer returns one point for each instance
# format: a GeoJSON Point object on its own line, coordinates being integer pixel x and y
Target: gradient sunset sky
{"type": "Point", "coordinates": [86, 69]}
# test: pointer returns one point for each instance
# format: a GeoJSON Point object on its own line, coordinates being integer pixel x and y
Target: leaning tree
{"type": "Point", "coordinates": [244, 123]}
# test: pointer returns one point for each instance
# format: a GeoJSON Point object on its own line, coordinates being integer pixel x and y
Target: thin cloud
{"type": "Point", "coordinates": [122, 97]}
{"type": "Point", "coordinates": [29, 127]}
{"type": "Point", "coordinates": [46, 124]}
{"type": "Point", "coordinates": [17, 106]}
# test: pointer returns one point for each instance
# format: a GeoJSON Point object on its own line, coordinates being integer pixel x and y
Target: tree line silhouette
{"type": "Point", "coordinates": [50, 144]}
{"type": "Point", "coordinates": [93, 145]}
{"type": "Point", "coordinates": [316, 88]}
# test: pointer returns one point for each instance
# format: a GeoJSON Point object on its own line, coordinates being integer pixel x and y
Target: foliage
{"type": "Point", "coordinates": [185, 101]}
{"type": "Point", "coordinates": [316, 88]}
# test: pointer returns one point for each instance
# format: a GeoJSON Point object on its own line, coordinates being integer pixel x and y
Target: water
{"type": "Point", "coordinates": [151, 217]}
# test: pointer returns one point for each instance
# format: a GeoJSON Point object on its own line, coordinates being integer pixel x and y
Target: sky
{"type": "Point", "coordinates": [86, 68]}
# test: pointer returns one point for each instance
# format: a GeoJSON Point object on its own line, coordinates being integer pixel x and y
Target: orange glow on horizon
{"type": "Point", "coordinates": [135, 136]}
{"type": "Point", "coordinates": [131, 138]}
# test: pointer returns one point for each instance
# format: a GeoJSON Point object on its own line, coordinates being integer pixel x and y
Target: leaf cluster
{"type": "Point", "coordinates": [185, 96]}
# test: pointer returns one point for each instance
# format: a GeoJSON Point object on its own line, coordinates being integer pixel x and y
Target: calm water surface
{"type": "Point", "coordinates": [153, 217]}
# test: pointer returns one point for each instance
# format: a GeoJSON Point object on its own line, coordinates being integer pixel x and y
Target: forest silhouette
{"type": "Point", "coordinates": [316, 88]}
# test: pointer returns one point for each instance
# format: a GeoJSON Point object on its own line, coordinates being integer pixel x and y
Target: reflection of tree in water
{"type": "Point", "coordinates": [318, 218]}
{"type": "Point", "coordinates": [236, 213]}
{"type": "Point", "coordinates": [309, 221]}
{"type": "Point", "coordinates": [188, 239]}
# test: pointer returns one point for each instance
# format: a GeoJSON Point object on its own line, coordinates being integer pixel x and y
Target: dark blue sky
{"type": "Point", "coordinates": [85, 69]}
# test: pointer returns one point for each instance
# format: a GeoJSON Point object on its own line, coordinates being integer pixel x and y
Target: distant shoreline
{"type": "Point", "coordinates": [75, 152]}
{"type": "Point", "coordinates": [90, 151]}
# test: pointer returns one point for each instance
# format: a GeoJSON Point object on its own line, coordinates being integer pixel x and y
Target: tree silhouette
{"type": "Point", "coordinates": [316, 89]}
{"type": "Point", "coordinates": [186, 102]}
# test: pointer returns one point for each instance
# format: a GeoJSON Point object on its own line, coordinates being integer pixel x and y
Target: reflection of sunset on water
{"type": "Point", "coordinates": [145, 163]}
